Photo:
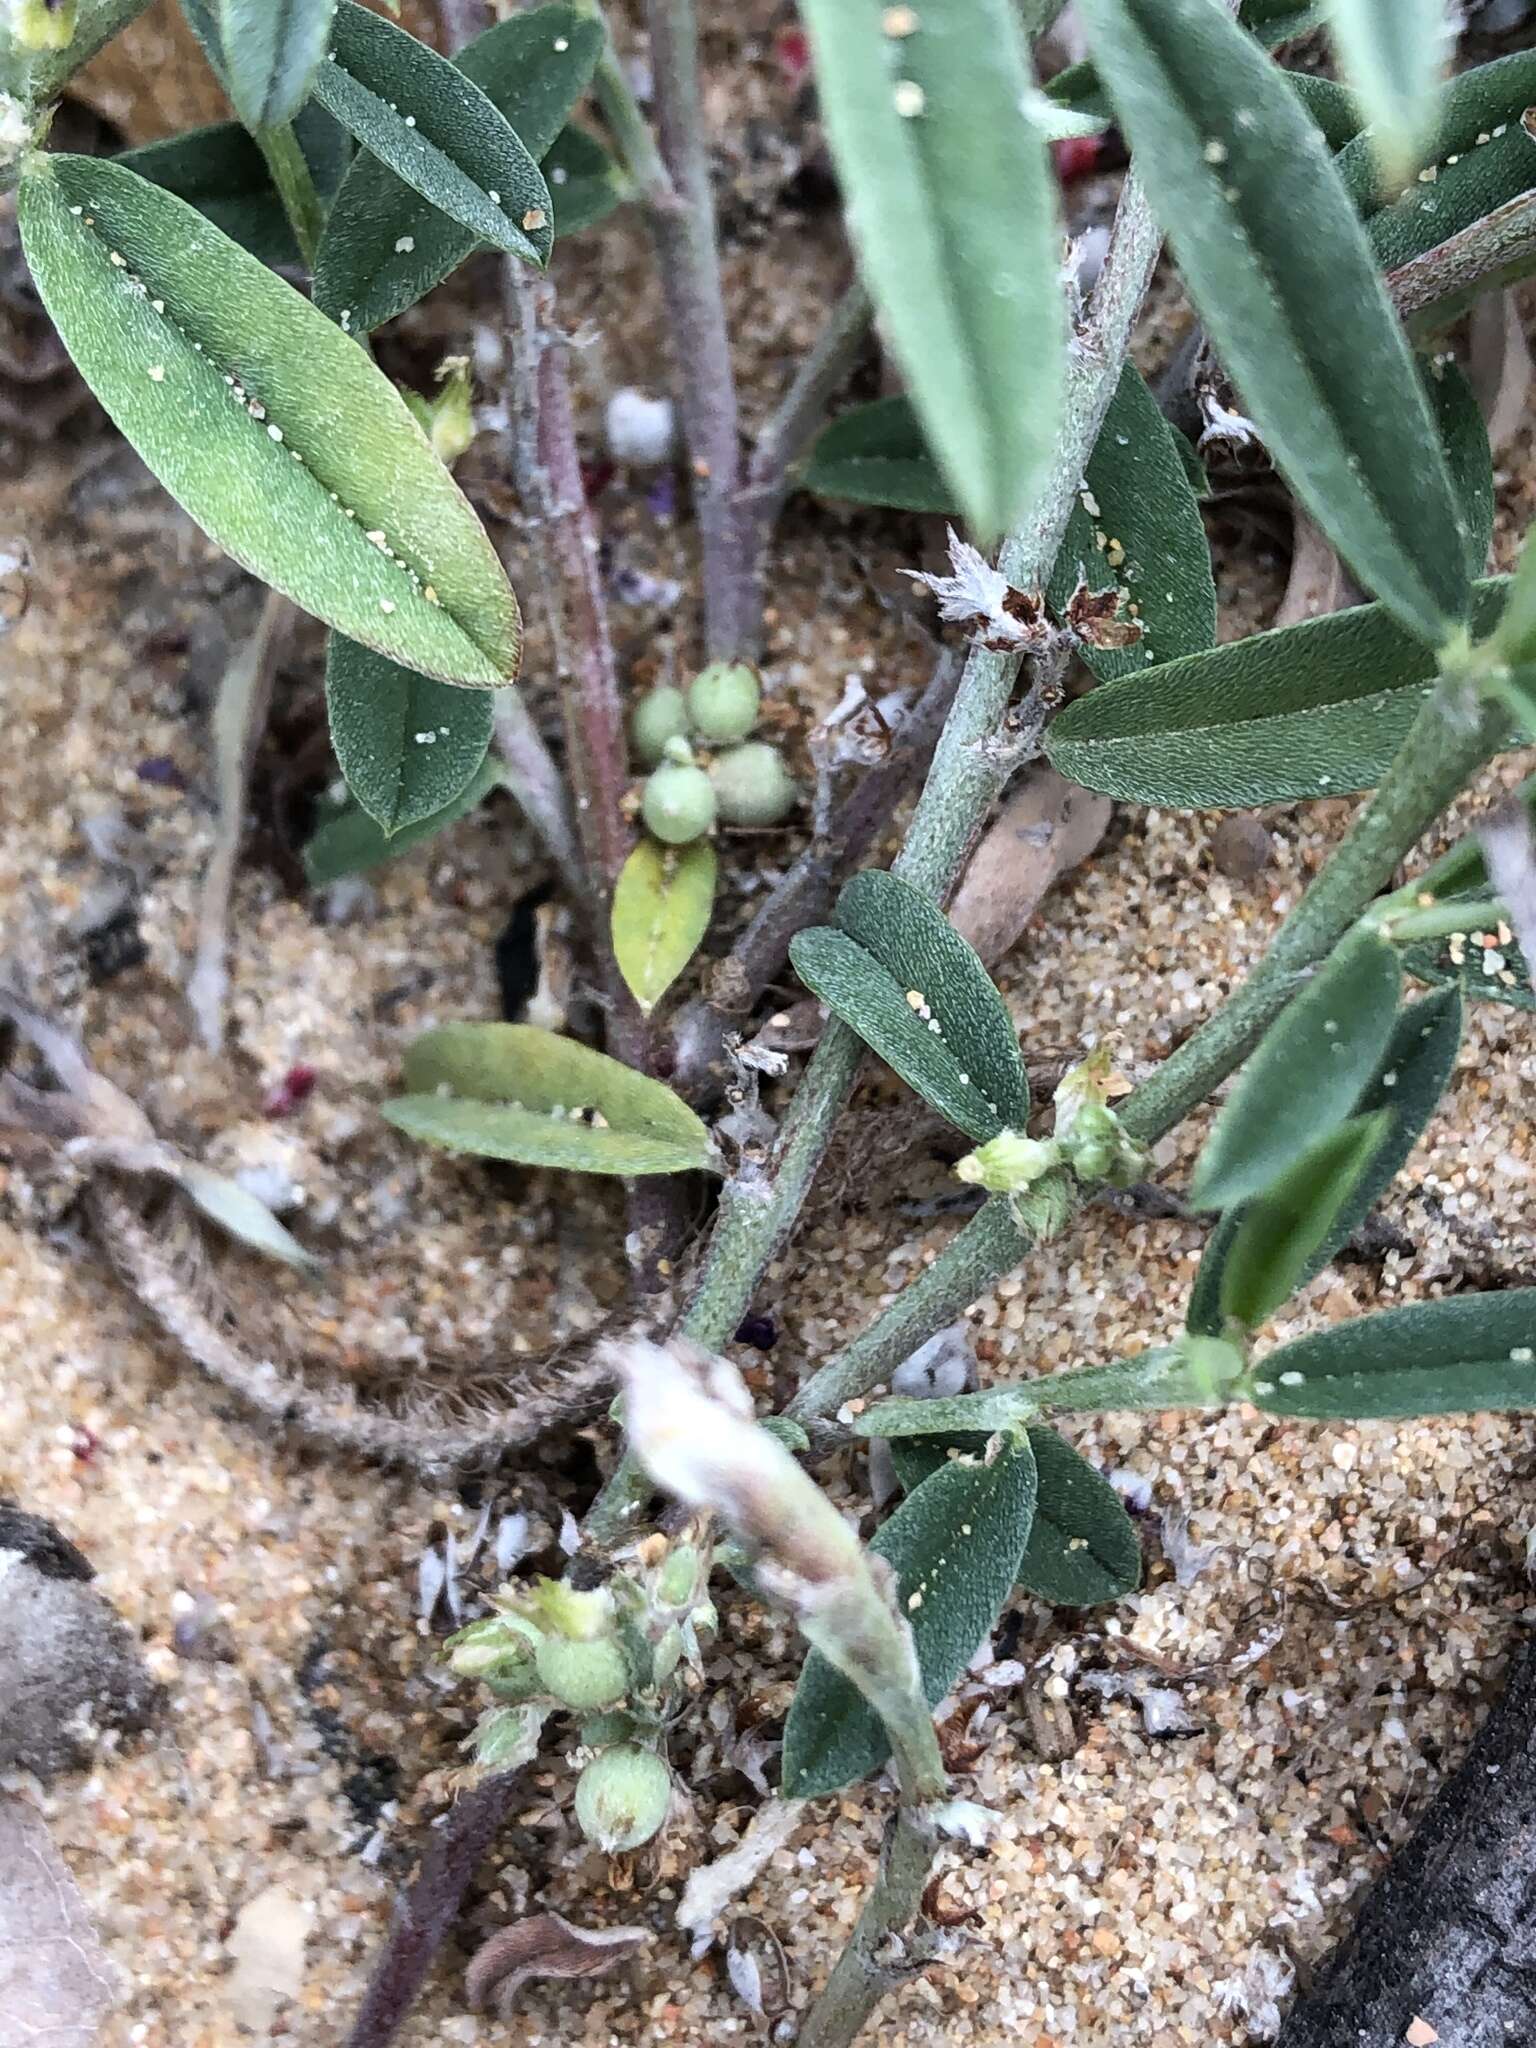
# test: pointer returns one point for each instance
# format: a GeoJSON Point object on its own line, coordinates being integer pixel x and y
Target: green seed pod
{"type": "Point", "coordinates": [622, 1797]}
{"type": "Point", "coordinates": [661, 715]}
{"type": "Point", "coordinates": [678, 804]}
{"type": "Point", "coordinates": [723, 701]}
{"type": "Point", "coordinates": [678, 1579]}
{"type": "Point", "coordinates": [583, 1675]}
{"type": "Point", "coordinates": [752, 785]}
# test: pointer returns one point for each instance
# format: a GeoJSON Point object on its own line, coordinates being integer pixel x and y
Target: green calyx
{"type": "Point", "coordinates": [1088, 1138]}
{"type": "Point", "coordinates": [1009, 1163]}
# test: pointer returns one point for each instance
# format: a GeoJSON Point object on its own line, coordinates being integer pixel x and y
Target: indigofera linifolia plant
{"type": "Point", "coordinates": [1328, 233]}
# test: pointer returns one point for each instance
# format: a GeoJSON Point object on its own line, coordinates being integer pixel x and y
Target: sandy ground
{"type": "Point", "coordinates": [1329, 1606]}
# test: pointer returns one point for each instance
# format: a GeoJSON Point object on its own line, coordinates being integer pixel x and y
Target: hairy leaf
{"type": "Point", "coordinates": [278, 436]}
{"type": "Point", "coordinates": [272, 49]}
{"type": "Point", "coordinates": [992, 1409]}
{"type": "Point", "coordinates": [876, 455]}
{"type": "Point", "coordinates": [436, 131]}
{"type": "Point", "coordinates": [952, 210]}
{"type": "Point", "coordinates": [350, 843]}
{"type": "Point", "coordinates": [407, 745]}
{"type": "Point", "coordinates": [221, 172]}
{"type": "Point", "coordinates": [1464, 437]}
{"type": "Point", "coordinates": [661, 908]}
{"type": "Point", "coordinates": [1393, 52]}
{"type": "Point", "coordinates": [1279, 265]}
{"type": "Point", "coordinates": [584, 181]}
{"type": "Point", "coordinates": [385, 245]}
{"type": "Point", "coordinates": [1332, 107]}
{"type": "Point", "coordinates": [1287, 1223]}
{"type": "Point", "coordinates": [511, 1091]}
{"type": "Point", "coordinates": [1483, 966]}
{"type": "Point", "coordinates": [1412, 1075]}
{"type": "Point", "coordinates": [1080, 89]}
{"type": "Point", "coordinates": [1083, 1548]}
{"type": "Point", "coordinates": [954, 1545]}
{"type": "Point", "coordinates": [1311, 710]}
{"type": "Point", "coordinates": [1306, 1075]}
{"type": "Point", "coordinates": [1137, 528]}
{"type": "Point", "coordinates": [1435, 1358]}
{"type": "Point", "coordinates": [899, 974]}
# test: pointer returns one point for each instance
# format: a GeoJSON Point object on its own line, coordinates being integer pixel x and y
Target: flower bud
{"type": "Point", "coordinates": [752, 786]}
{"type": "Point", "coordinates": [43, 24]}
{"type": "Point", "coordinates": [622, 1797]}
{"type": "Point", "coordinates": [667, 1655]}
{"type": "Point", "coordinates": [660, 715]}
{"type": "Point", "coordinates": [678, 804]}
{"type": "Point", "coordinates": [678, 1579]}
{"type": "Point", "coordinates": [583, 1675]}
{"type": "Point", "coordinates": [1009, 1163]}
{"type": "Point", "coordinates": [724, 700]}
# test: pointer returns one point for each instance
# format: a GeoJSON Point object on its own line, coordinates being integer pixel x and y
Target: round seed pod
{"type": "Point", "coordinates": [678, 803]}
{"type": "Point", "coordinates": [660, 715]}
{"type": "Point", "coordinates": [752, 785]}
{"type": "Point", "coordinates": [622, 1797]}
{"type": "Point", "coordinates": [583, 1675]}
{"type": "Point", "coordinates": [723, 701]}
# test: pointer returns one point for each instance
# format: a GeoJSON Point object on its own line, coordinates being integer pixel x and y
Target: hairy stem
{"type": "Point", "coordinates": [1447, 744]}
{"type": "Point", "coordinates": [1436, 288]}
{"type": "Point", "coordinates": [295, 187]}
{"type": "Point", "coordinates": [861, 1976]}
{"type": "Point", "coordinates": [536, 784]}
{"type": "Point", "coordinates": [565, 539]}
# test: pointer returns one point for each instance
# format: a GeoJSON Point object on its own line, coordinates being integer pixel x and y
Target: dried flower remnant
{"type": "Point", "coordinates": [545, 1945]}
{"type": "Point", "coordinates": [1006, 620]}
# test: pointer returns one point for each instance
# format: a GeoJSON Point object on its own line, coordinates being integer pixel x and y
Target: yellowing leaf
{"type": "Point", "coordinates": [661, 909]}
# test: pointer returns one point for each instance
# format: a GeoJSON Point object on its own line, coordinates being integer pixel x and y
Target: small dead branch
{"type": "Point", "coordinates": [544, 1945]}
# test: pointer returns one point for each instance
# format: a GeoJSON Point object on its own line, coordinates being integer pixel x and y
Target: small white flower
{"type": "Point", "coordinates": [1234, 428]}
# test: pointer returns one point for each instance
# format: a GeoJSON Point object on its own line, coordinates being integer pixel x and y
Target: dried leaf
{"type": "Point", "coordinates": [1048, 827]}
{"type": "Point", "coordinates": [54, 1981]}
{"type": "Point", "coordinates": [544, 1945]}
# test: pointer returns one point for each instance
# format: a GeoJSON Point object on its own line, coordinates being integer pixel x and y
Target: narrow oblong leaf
{"type": "Point", "coordinates": [661, 907]}
{"type": "Point", "coordinates": [897, 972]}
{"type": "Point", "coordinates": [247, 1219]}
{"type": "Point", "coordinates": [1413, 1073]}
{"type": "Point", "coordinates": [1434, 1358]}
{"type": "Point", "coordinates": [272, 49]}
{"type": "Point", "coordinates": [1282, 1228]}
{"type": "Point", "coordinates": [408, 746]}
{"type": "Point", "coordinates": [1311, 710]}
{"type": "Point", "coordinates": [511, 1091]}
{"type": "Point", "coordinates": [1271, 22]}
{"type": "Point", "coordinates": [385, 245]}
{"type": "Point", "coordinates": [1083, 1548]}
{"type": "Point", "coordinates": [954, 1545]}
{"type": "Point", "coordinates": [952, 210]}
{"type": "Point", "coordinates": [436, 131]}
{"type": "Point", "coordinates": [280, 437]}
{"type": "Point", "coordinates": [352, 843]}
{"type": "Point", "coordinates": [1464, 437]}
{"type": "Point", "coordinates": [1393, 53]}
{"type": "Point", "coordinates": [1333, 108]}
{"type": "Point", "coordinates": [1280, 268]}
{"type": "Point", "coordinates": [1306, 1075]}
{"type": "Point", "coordinates": [1136, 528]}
{"type": "Point", "coordinates": [220, 171]}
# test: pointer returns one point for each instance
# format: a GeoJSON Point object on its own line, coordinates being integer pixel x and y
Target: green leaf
{"type": "Point", "coordinates": [661, 908]}
{"type": "Point", "coordinates": [1137, 527]}
{"type": "Point", "coordinates": [1393, 53]}
{"type": "Point", "coordinates": [202, 17]}
{"type": "Point", "coordinates": [952, 209]}
{"type": "Point", "coordinates": [1311, 710]}
{"type": "Point", "coordinates": [511, 1091]}
{"type": "Point", "coordinates": [385, 245]}
{"type": "Point", "coordinates": [876, 455]}
{"type": "Point", "coordinates": [1333, 108]}
{"type": "Point", "coordinates": [1435, 1358]}
{"type": "Point", "coordinates": [1515, 636]}
{"type": "Point", "coordinates": [954, 1545]}
{"type": "Point", "coordinates": [436, 131]}
{"type": "Point", "coordinates": [1306, 1075]}
{"type": "Point", "coordinates": [221, 172]}
{"type": "Point", "coordinates": [584, 181]}
{"type": "Point", "coordinates": [1499, 973]}
{"type": "Point", "coordinates": [1412, 1075]}
{"type": "Point", "coordinates": [1279, 266]}
{"type": "Point", "coordinates": [1283, 1228]}
{"type": "Point", "coordinates": [350, 843]}
{"type": "Point", "coordinates": [900, 975]}
{"type": "Point", "coordinates": [1083, 1548]}
{"type": "Point", "coordinates": [407, 745]}
{"type": "Point", "coordinates": [1080, 88]}
{"type": "Point", "coordinates": [247, 1219]}
{"type": "Point", "coordinates": [993, 1409]}
{"type": "Point", "coordinates": [1464, 437]}
{"type": "Point", "coordinates": [272, 49]}
{"type": "Point", "coordinates": [280, 437]}
{"type": "Point", "coordinates": [1478, 158]}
